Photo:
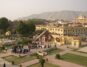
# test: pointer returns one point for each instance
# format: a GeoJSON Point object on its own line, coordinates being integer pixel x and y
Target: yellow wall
{"type": "Point", "coordinates": [81, 19]}
{"type": "Point", "coordinates": [65, 31]}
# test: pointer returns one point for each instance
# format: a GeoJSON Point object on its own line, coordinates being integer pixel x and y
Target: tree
{"type": "Point", "coordinates": [31, 26]}
{"type": "Point", "coordinates": [42, 61]}
{"type": "Point", "coordinates": [25, 29]}
{"type": "Point", "coordinates": [22, 29]}
{"type": "Point", "coordinates": [23, 41]}
{"type": "Point", "coordinates": [37, 21]}
{"type": "Point", "coordinates": [3, 48]}
{"type": "Point", "coordinates": [58, 56]}
{"type": "Point", "coordinates": [13, 62]}
{"type": "Point", "coordinates": [4, 24]}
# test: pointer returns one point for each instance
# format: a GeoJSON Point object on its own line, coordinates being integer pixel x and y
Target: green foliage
{"type": "Point", "coordinates": [22, 28]}
{"type": "Point", "coordinates": [33, 54]}
{"type": "Point", "coordinates": [31, 27]}
{"type": "Point", "coordinates": [3, 47]}
{"type": "Point", "coordinates": [82, 60]}
{"type": "Point", "coordinates": [19, 60]}
{"type": "Point", "coordinates": [25, 29]}
{"type": "Point", "coordinates": [23, 41]}
{"type": "Point", "coordinates": [4, 24]}
{"type": "Point", "coordinates": [58, 56]}
{"type": "Point", "coordinates": [52, 50]}
{"type": "Point", "coordinates": [37, 21]}
{"type": "Point", "coordinates": [37, 56]}
{"type": "Point", "coordinates": [42, 61]}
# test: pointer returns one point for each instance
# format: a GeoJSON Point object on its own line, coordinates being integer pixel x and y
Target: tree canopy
{"type": "Point", "coordinates": [31, 27]}
{"type": "Point", "coordinates": [37, 21]}
{"type": "Point", "coordinates": [25, 29]}
{"type": "Point", "coordinates": [4, 24]}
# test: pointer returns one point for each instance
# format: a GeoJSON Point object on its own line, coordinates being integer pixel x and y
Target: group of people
{"type": "Point", "coordinates": [20, 49]}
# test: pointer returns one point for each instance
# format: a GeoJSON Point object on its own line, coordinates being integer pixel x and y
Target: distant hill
{"type": "Point", "coordinates": [65, 15]}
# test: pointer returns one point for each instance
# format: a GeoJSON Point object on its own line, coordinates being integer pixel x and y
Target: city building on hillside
{"type": "Point", "coordinates": [81, 19]}
{"type": "Point", "coordinates": [74, 32]}
{"type": "Point", "coordinates": [64, 30]}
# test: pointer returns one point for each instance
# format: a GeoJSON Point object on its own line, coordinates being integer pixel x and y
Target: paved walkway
{"type": "Point", "coordinates": [65, 50]}
{"type": "Point", "coordinates": [8, 53]}
{"type": "Point", "coordinates": [2, 61]}
{"type": "Point", "coordinates": [51, 59]}
{"type": "Point", "coordinates": [78, 53]}
{"type": "Point", "coordinates": [8, 64]}
{"type": "Point", "coordinates": [61, 63]}
{"type": "Point", "coordinates": [5, 54]}
{"type": "Point", "coordinates": [29, 63]}
{"type": "Point", "coordinates": [68, 50]}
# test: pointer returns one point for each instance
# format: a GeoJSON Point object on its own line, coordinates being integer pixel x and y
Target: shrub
{"type": "Point", "coordinates": [13, 63]}
{"type": "Point", "coordinates": [42, 61]}
{"type": "Point", "coordinates": [58, 56]}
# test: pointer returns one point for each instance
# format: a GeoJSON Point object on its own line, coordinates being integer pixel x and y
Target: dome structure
{"type": "Point", "coordinates": [81, 17]}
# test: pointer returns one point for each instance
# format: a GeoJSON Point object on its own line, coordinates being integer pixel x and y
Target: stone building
{"type": "Point", "coordinates": [67, 32]}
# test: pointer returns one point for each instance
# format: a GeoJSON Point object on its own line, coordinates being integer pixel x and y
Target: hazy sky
{"type": "Point", "coordinates": [14, 9]}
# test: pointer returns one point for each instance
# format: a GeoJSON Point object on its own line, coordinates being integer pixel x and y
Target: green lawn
{"type": "Point", "coordinates": [46, 65]}
{"type": "Point", "coordinates": [18, 60]}
{"type": "Point", "coordinates": [53, 51]}
{"type": "Point", "coordinates": [75, 59]}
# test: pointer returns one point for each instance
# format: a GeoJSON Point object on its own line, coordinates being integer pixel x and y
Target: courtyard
{"type": "Point", "coordinates": [19, 60]}
{"type": "Point", "coordinates": [83, 49]}
{"type": "Point", "coordinates": [45, 65]}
